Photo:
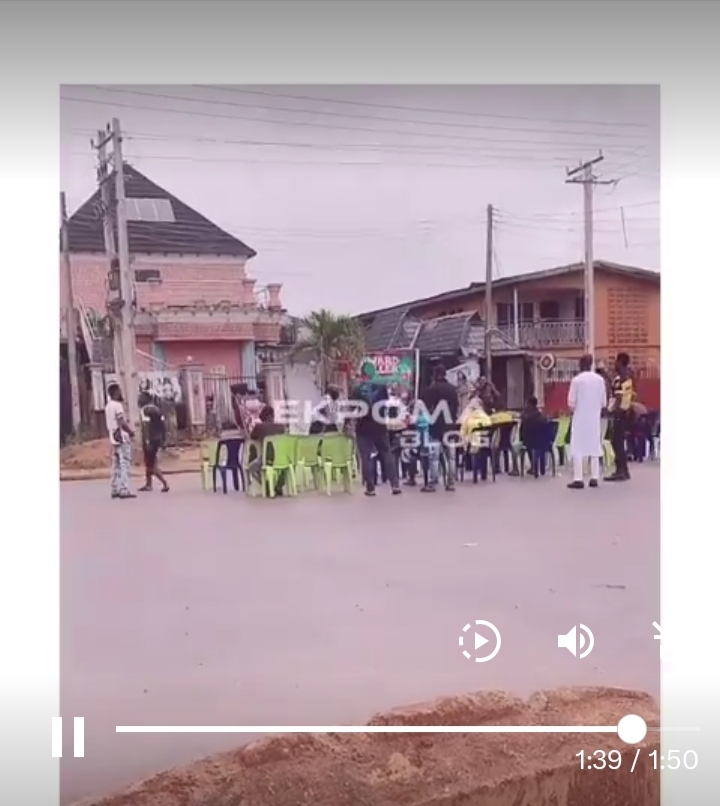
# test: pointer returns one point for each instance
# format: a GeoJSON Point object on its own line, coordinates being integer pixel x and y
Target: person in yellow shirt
{"type": "Point", "coordinates": [473, 418]}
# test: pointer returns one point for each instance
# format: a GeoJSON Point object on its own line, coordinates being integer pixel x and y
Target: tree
{"type": "Point", "coordinates": [330, 340]}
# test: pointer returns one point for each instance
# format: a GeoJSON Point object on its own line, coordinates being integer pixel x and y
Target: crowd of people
{"type": "Point", "coordinates": [398, 437]}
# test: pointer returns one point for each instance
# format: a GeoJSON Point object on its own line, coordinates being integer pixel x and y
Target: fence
{"type": "Point", "coordinates": [647, 385]}
{"type": "Point", "coordinates": [218, 398]}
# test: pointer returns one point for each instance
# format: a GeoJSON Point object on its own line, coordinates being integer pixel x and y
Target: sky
{"type": "Point", "coordinates": [361, 197]}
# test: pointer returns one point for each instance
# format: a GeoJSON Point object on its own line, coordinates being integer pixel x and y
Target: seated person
{"type": "Point", "coordinates": [532, 423]}
{"type": "Point", "coordinates": [325, 418]}
{"type": "Point", "coordinates": [504, 421]}
{"type": "Point", "coordinates": [266, 427]}
{"type": "Point", "coordinates": [473, 419]}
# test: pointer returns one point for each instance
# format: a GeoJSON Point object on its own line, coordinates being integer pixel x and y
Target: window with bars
{"type": "Point", "coordinates": [149, 210]}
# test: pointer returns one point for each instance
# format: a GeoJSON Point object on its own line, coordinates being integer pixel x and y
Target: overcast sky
{"type": "Point", "coordinates": [361, 197]}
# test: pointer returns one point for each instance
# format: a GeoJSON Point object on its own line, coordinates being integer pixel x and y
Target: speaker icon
{"type": "Point", "coordinates": [570, 641]}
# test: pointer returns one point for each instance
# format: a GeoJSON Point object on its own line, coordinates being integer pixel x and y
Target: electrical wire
{"type": "Point", "coordinates": [306, 111]}
{"type": "Point", "coordinates": [463, 113]}
{"type": "Point", "coordinates": [496, 160]}
{"type": "Point", "coordinates": [366, 129]}
{"type": "Point", "coordinates": [408, 148]}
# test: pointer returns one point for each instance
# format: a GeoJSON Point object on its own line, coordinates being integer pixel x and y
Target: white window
{"type": "Point", "coordinates": [149, 210]}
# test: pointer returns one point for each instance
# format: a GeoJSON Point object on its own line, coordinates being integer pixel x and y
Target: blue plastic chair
{"type": "Point", "coordinates": [228, 459]}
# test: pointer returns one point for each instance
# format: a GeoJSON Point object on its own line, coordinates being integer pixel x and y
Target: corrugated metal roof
{"type": "Point", "coordinates": [189, 233]}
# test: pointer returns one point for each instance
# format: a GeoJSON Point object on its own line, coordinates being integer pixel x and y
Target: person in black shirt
{"type": "Point", "coordinates": [371, 433]}
{"type": "Point", "coordinates": [621, 413]}
{"type": "Point", "coordinates": [153, 438]}
{"type": "Point", "coordinates": [532, 421]}
{"type": "Point", "coordinates": [442, 403]}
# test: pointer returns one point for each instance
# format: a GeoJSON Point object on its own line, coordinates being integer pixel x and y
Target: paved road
{"type": "Point", "coordinates": [193, 608]}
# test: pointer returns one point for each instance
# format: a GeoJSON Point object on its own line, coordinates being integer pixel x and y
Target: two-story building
{"type": "Point", "coordinates": [535, 314]}
{"type": "Point", "coordinates": [194, 300]}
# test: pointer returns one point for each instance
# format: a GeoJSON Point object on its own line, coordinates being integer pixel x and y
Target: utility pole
{"type": "Point", "coordinates": [489, 317]}
{"type": "Point", "coordinates": [583, 175]}
{"type": "Point", "coordinates": [121, 300]}
{"type": "Point", "coordinates": [126, 281]}
{"type": "Point", "coordinates": [70, 321]}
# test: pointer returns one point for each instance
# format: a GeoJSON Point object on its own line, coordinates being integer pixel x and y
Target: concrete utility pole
{"type": "Point", "coordinates": [489, 308]}
{"type": "Point", "coordinates": [70, 320]}
{"type": "Point", "coordinates": [127, 285]}
{"type": "Point", "coordinates": [583, 175]}
{"type": "Point", "coordinates": [121, 301]}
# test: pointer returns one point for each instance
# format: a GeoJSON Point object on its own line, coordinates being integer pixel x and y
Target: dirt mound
{"type": "Point", "coordinates": [95, 455]}
{"type": "Point", "coordinates": [440, 769]}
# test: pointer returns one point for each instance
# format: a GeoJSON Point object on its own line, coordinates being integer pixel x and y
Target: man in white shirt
{"type": "Point", "coordinates": [587, 398]}
{"type": "Point", "coordinates": [120, 434]}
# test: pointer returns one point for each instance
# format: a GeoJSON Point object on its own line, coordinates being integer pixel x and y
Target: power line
{"type": "Point", "coordinates": [464, 113]}
{"type": "Point", "coordinates": [198, 113]}
{"type": "Point", "coordinates": [416, 228]}
{"type": "Point", "coordinates": [394, 148]}
{"type": "Point", "coordinates": [531, 155]}
{"type": "Point", "coordinates": [548, 214]}
{"type": "Point", "coordinates": [335, 114]}
{"type": "Point", "coordinates": [496, 160]}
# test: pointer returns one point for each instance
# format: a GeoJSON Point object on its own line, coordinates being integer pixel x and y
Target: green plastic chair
{"type": "Point", "coordinates": [337, 454]}
{"type": "Point", "coordinates": [207, 455]}
{"type": "Point", "coordinates": [561, 437]}
{"type": "Point", "coordinates": [608, 452]}
{"type": "Point", "coordinates": [307, 461]}
{"type": "Point", "coordinates": [283, 459]}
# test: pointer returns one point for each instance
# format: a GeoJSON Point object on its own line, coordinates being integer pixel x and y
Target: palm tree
{"type": "Point", "coordinates": [329, 339]}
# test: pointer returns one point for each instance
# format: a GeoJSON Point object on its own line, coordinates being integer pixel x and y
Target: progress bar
{"type": "Point", "coordinates": [366, 729]}
{"type": "Point", "coordinates": [631, 729]}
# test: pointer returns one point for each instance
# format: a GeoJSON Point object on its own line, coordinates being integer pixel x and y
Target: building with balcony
{"type": "Point", "coordinates": [534, 314]}
{"type": "Point", "coordinates": [194, 300]}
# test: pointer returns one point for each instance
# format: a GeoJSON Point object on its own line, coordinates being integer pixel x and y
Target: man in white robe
{"type": "Point", "coordinates": [587, 398]}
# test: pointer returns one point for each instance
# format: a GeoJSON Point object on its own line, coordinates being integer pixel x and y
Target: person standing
{"type": "Point", "coordinates": [587, 398]}
{"type": "Point", "coordinates": [371, 433]}
{"type": "Point", "coordinates": [442, 402]}
{"type": "Point", "coordinates": [120, 434]}
{"type": "Point", "coordinates": [621, 407]}
{"type": "Point", "coordinates": [465, 391]}
{"type": "Point", "coordinates": [153, 438]}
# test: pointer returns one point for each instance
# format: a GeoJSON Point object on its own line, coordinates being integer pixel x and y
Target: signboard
{"type": "Point", "coordinates": [399, 367]}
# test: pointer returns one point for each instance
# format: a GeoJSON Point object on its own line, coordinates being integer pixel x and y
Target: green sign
{"type": "Point", "coordinates": [397, 367]}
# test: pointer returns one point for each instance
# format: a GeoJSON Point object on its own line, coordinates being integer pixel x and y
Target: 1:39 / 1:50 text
{"type": "Point", "coordinates": [613, 759]}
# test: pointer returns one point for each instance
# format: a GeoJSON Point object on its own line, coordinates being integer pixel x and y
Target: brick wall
{"type": "Point", "coordinates": [183, 283]}
{"type": "Point", "coordinates": [209, 354]}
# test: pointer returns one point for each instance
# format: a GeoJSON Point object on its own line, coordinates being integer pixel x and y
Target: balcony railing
{"type": "Point", "coordinates": [546, 335]}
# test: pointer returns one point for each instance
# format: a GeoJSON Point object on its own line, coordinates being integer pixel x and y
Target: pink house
{"type": "Point", "coordinates": [195, 302]}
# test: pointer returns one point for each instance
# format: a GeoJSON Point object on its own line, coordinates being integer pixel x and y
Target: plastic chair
{"type": "Point", "coordinates": [542, 448]}
{"type": "Point", "coordinates": [607, 449]}
{"type": "Point", "coordinates": [208, 450]}
{"type": "Point", "coordinates": [561, 439]}
{"type": "Point", "coordinates": [307, 460]}
{"type": "Point", "coordinates": [481, 450]}
{"type": "Point", "coordinates": [278, 464]}
{"type": "Point", "coordinates": [229, 458]}
{"type": "Point", "coordinates": [336, 457]}
{"type": "Point", "coordinates": [503, 446]}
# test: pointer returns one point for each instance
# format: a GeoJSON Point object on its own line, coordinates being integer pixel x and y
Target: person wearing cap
{"type": "Point", "coordinates": [120, 434]}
